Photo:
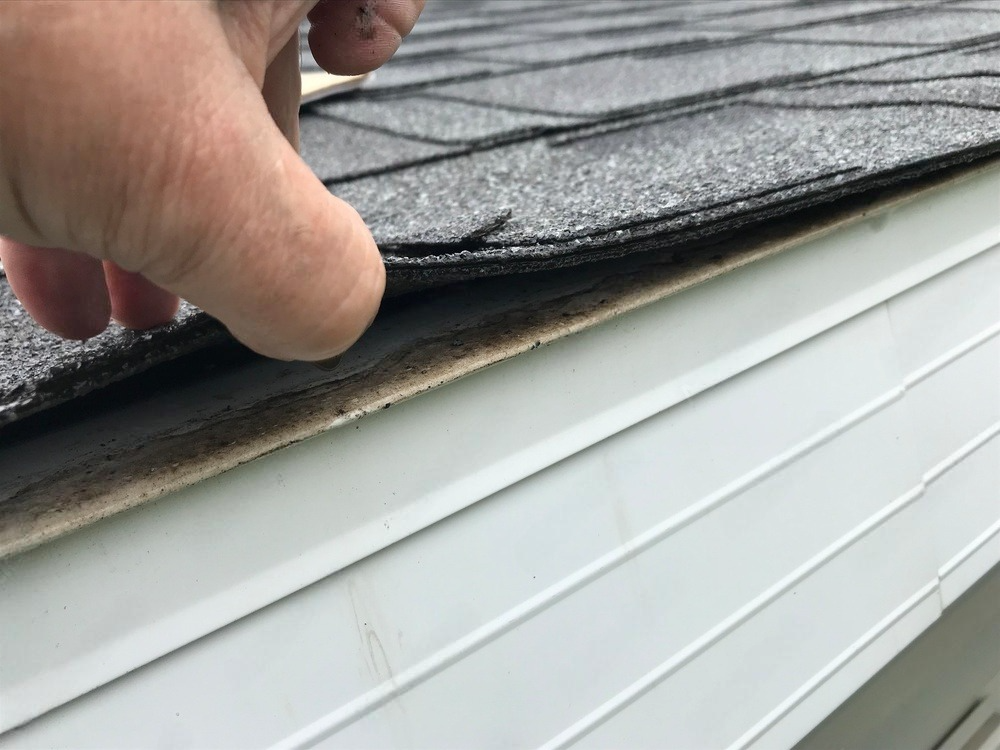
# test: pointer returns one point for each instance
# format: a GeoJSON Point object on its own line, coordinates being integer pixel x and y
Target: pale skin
{"type": "Point", "coordinates": [148, 152]}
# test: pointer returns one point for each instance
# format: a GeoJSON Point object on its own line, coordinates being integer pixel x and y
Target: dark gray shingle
{"type": "Point", "coordinates": [512, 135]}
{"type": "Point", "coordinates": [630, 83]}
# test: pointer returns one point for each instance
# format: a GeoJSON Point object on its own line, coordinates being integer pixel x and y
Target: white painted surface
{"type": "Point", "coordinates": [703, 524]}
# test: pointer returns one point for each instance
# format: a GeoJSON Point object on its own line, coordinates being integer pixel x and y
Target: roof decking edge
{"type": "Point", "coordinates": [177, 454]}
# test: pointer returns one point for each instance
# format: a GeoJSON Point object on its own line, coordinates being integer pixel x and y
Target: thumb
{"type": "Point", "coordinates": [243, 229]}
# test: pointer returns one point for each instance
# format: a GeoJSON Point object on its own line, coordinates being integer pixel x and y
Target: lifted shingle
{"type": "Point", "coordinates": [515, 135]}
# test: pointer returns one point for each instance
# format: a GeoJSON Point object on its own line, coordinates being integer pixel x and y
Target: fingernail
{"type": "Point", "coordinates": [329, 364]}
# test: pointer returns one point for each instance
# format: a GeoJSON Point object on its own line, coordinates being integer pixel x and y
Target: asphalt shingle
{"type": "Point", "coordinates": [439, 121]}
{"type": "Point", "coordinates": [630, 83]}
{"type": "Point", "coordinates": [718, 165]}
{"type": "Point", "coordinates": [779, 16]}
{"type": "Point", "coordinates": [927, 28]}
{"type": "Point", "coordinates": [514, 135]}
{"type": "Point", "coordinates": [565, 49]}
{"type": "Point", "coordinates": [337, 150]}
{"type": "Point", "coordinates": [39, 369]}
{"type": "Point", "coordinates": [969, 80]}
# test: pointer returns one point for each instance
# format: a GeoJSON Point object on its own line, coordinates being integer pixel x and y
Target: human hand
{"type": "Point", "coordinates": [148, 150]}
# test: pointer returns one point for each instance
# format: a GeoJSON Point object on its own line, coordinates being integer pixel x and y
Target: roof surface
{"type": "Point", "coordinates": [512, 135]}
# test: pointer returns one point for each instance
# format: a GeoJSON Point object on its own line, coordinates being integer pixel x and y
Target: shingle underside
{"type": "Point", "coordinates": [512, 135]}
